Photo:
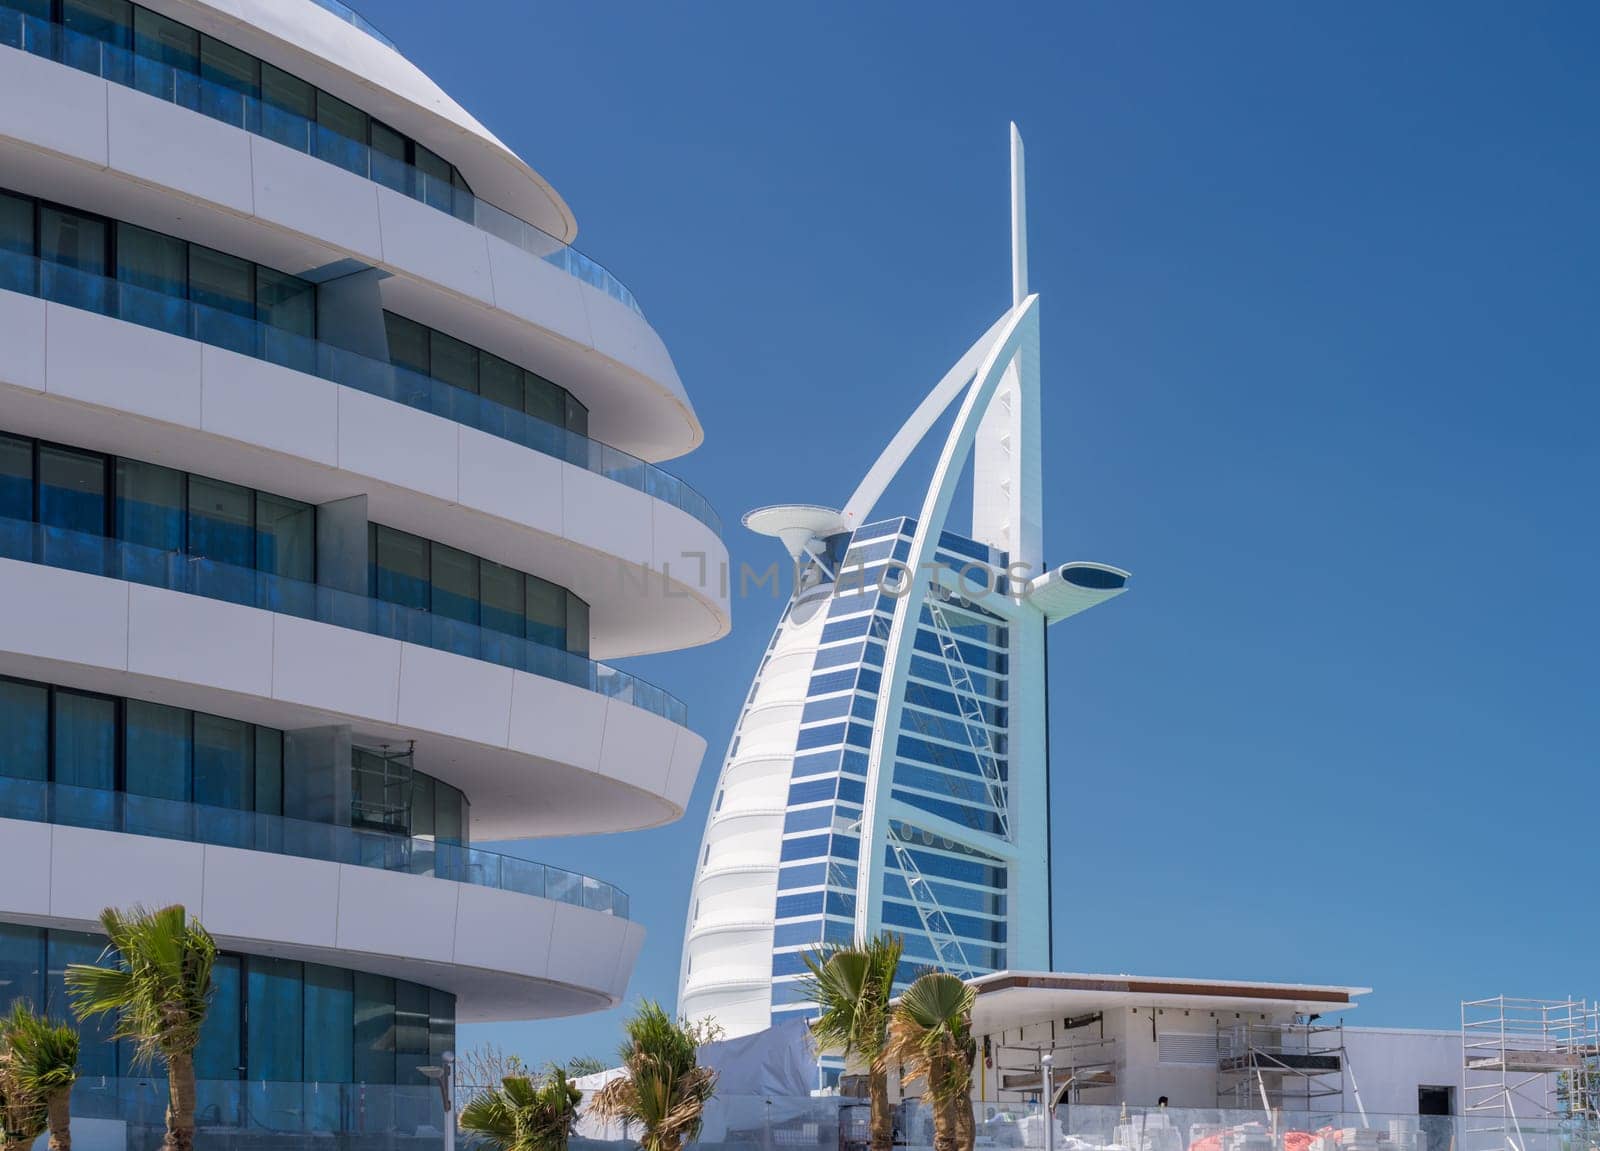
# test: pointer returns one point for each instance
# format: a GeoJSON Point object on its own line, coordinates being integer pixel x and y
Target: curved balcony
{"type": "Point", "coordinates": [129, 69]}
{"type": "Point", "coordinates": [101, 810]}
{"type": "Point", "coordinates": [350, 16]}
{"type": "Point", "coordinates": [196, 575]}
{"type": "Point", "coordinates": [243, 334]}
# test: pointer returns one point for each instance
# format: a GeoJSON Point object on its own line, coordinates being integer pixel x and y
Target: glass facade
{"type": "Point", "coordinates": [451, 361]}
{"type": "Point", "coordinates": [165, 58]}
{"type": "Point", "coordinates": [235, 294]}
{"type": "Point", "coordinates": [455, 585]}
{"type": "Point", "coordinates": [274, 1021]}
{"type": "Point", "coordinates": [945, 896]}
{"type": "Point", "coordinates": [97, 746]}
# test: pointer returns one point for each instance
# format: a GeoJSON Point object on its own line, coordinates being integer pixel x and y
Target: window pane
{"type": "Point", "coordinates": [16, 478]}
{"type": "Point", "coordinates": [434, 174]}
{"type": "Point", "coordinates": [455, 584]}
{"type": "Point", "coordinates": [345, 119]}
{"type": "Point", "coordinates": [401, 564]}
{"type": "Point", "coordinates": [501, 598]}
{"type": "Point", "coordinates": [423, 791]}
{"type": "Point", "coordinates": [150, 505]}
{"type": "Point", "coordinates": [410, 1031]}
{"type": "Point", "coordinates": [287, 302]}
{"type": "Point", "coordinates": [269, 771]}
{"type": "Point", "coordinates": [108, 20]}
{"type": "Point", "coordinates": [408, 342]}
{"type": "Point", "coordinates": [374, 1037]}
{"type": "Point", "coordinates": [226, 65]}
{"type": "Point", "coordinates": [544, 400]}
{"type": "Point", "coordinates": [24, 731]}
{"type": "Point", "coordinates": [218, 1055]}
{"type": "Point", "coordinates": [21, 965]}
{"type": "Point", "coordinates": [97, 1055]}
{"type": "Point", "coordinates": [329, 1024]}
{"type": "Point", "coordinates": [454, 362]}
{"type": "Point", "coordinates": [500, 381]}
{"type": "Point", "coordinates": [342, 134]}
{"type": "Point", "coordinates": [220, 524]}
{"type": "Point", "coordinates": [223, 775]}
{"type": "Point", "coordinates": [273, 1015]}
{"type": "Point", "coordinates": [290, 93]}
{"type": "Point", "coordinates": [577, 416]}
{"type": "Point", "coordinates": [577, 625]}
{"type": "Point", "coordinates": [389, 166]}
{"type": "Point", "coordinates": [158, 751]}
{"type": "Point", "coordinates": [16, 243]}
{"type": "Point", "coordinates": [85, 740]}
{"type": "Point", "coordinates": [547, 613]}
{"type": "Point", "coordinates": [221, 281]}
{"type": "Point", "coordinates": [72, 239]}
{"type": "Point", "coordinates": [286, 537]}
{"type": "Point", "coordinates": [441, 1025]}
{"type": "Point", "coordinates": [448, 824]}
{"type": "Point", "coordinates": [72, 490]}
{"type": "Point", "coordinates": [165, 41]}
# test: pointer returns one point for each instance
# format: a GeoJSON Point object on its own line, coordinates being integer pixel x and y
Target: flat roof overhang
{"type": "Point", "coordinates": [1009, 999]}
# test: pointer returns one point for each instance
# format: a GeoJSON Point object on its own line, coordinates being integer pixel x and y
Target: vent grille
{"type": "Point", "coordinates": [1182, 1047]}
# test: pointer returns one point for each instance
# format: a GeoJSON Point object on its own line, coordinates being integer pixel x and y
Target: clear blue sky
{"type": "Point", "coordinates": [1321, 362]}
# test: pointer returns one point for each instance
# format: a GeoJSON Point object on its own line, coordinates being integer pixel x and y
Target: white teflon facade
{"type": "Point", "coordinates": [328, 473]}
{"type": "Point", "coordinates": [889, 770]}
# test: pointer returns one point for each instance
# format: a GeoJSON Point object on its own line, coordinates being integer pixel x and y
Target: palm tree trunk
{"type": "Point", "coordinates": [59, 1105]}
{"type": "Point", "coordinates": [965, 1122]}
{"type": "Point", "coordinates": [882, 1117]}
{"type": "Point", "coordinates": [180, 1104]}
{"type": "Point", "coordinates": [944, 1138]}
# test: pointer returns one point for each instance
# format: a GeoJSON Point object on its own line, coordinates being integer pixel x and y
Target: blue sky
{"type": "Point", "coordinates": [1320, 362]}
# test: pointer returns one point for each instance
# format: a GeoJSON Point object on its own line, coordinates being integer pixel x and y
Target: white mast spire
{"type": "Point", "coordinates": [1019, 221]}
{"type": "Point", "coordinates": [1006, 492]}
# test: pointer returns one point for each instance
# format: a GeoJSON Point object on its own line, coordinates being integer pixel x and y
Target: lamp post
{"type": "Point", "coordinates": [444, 1076]}
{"type": "Point", "coordinates": [1047, 1090]}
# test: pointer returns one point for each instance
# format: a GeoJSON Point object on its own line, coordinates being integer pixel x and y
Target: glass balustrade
{"type": "Point", "coordinates": [243, 110]}
{"type": "Point", "coordinates": [104, 810]}
{"type": "Point", "coordinates": [196, 575]}
{"type": "Point", "coordinates": [350, 16]}
{"type": "Point", "coordinates": [249, 336]}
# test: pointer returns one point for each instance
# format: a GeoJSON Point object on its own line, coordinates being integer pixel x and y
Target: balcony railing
{"type": "Point", "coordinates": [103, 810]}
{"type": "Point", "coordinates": [243, 110]}
{"type": "Point", "coordinates": [250, 337]}
{"type": "Point", "coordinates": [350, 16]}
{"type": "Point", "coordinates": [196, 575]}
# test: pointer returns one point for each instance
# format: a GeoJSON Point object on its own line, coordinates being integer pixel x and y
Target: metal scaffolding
{"type": "Point", "coordinates": [1295, 1066]}
{"type": "Point", "coordinates": [1525, 1059]}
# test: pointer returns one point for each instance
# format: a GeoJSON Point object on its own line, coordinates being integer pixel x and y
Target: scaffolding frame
{"type": "Point", "coordinates": [1528, 1059]}
{"type": "Point", "coordinates": [1294, 1066]}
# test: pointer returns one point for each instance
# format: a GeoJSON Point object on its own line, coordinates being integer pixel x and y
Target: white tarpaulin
{"type": "Point", "coordinates": [761, 1078]}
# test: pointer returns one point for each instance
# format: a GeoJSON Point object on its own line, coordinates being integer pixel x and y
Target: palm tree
{"type": "Point", "coordinates": [42, 1065]}
{"type": "Point", "coordinates": [930, 1035]}
{"type": "Point", "coordinates": [853, 986]}
{"type": "Point", "coordinates": [155, 977]}
{"type": "Point", "coordinates": [523, 1114]}
{"type": "Point", "coordinates": [662, 1088]}
{"type": "Point", "coordinates": [22, 1112]}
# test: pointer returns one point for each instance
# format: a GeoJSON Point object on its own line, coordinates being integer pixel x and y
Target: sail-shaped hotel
{"type": "Point", "coordinates": [889, 770]}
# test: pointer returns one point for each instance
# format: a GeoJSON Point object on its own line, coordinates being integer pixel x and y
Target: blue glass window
{"type": "Point", "coordinates": [374, 1034]}
{"type": "Point", "coordinates": [25, 724]}
{"type": "Point", "coordinates": [852, 790]}
{"type": "Point", "coordinates": [783, 935]}
{"type": "Point", "coordinates": [16, 488]}
{"type": "Point", "coordinates": [223, 762]}
{"type": "Point", "coordinates": [831, 682]}
{"type": "Point", "coordinates": [329, 1024]}
{"type": "Point", "coordinates": [832, 708]}
{"type": "Point", "coordinates": [85, 740]}
{"type": "Point", "coordinates": [158, 751]}
{"type": "Point", "coordinates": [72, 490]}
{"type": "Point", "coordinates": [806, 875]}
{"type": "Point", "coordinates": [808, 847]}
{"type": "Point", "coordinates": [818, 763]}
{"type": "Point", "coordinates": [854, 763]}
{"type": "Point", "coordinates": [812, 791]}
{"type": "Point", "coordinates": [846, 629]}
{"type": "Point", "coordinates": [808, 819]}
{"type": "Point", "coordinates": [274, 1020]}
{"type": "Point", "coordinates": [789, 963]}
{"type": "Point", "coordinates": [834, 656]}
{"type": "Point", "coordinates": [22, 965]}
{"type": "Point", "coordinates": [794, 906]}
{"type": "Point", "coordinates": [819, 736]}
{"type": "Point", "coordinates": [860, 735]}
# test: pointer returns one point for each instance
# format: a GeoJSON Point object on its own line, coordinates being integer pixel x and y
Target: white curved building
{"type": "Point", "coordinates": [328, 473]}
{"type": "Point", "coordinates": [890, 768]}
